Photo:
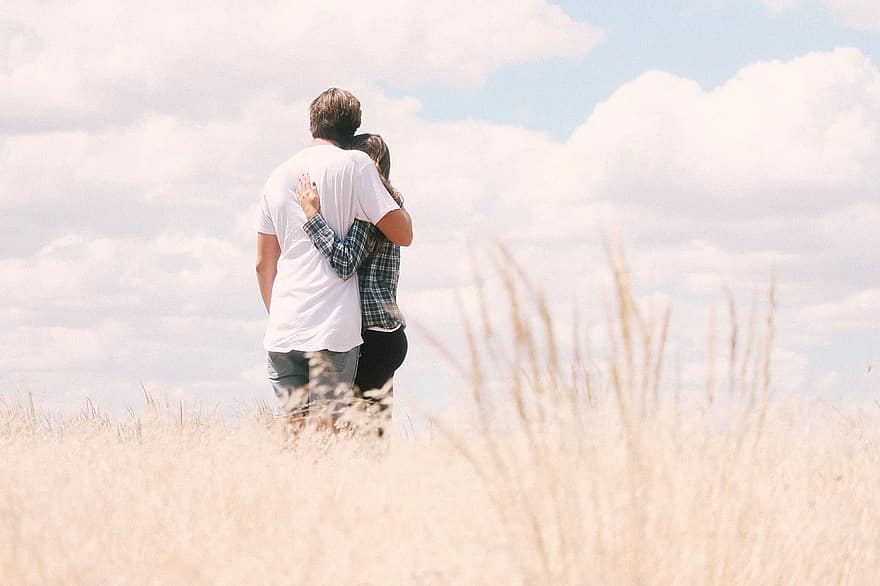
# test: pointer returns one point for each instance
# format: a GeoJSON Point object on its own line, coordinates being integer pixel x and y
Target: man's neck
{"type": "Point", "coordinates": [317, 141]}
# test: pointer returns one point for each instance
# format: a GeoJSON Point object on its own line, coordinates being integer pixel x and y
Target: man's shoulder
{"type": "Point", "coordinates": [322, 153]}
{"type": "Point", "coordinates": [311, 159]}
{"type": "Point", "coordinates": [359, 157]}
{"type": "Point", "coordinates": [284, 169]}
{"type": "Point", "coordinates": [291, 168]}
{"type": "Point", "coordinates": [344, 158]}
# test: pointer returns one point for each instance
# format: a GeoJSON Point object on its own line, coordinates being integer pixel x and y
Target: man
{"type": "Point", "coordinates": [314, 325]}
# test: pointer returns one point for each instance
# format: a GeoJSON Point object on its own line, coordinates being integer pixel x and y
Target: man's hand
{"type": "Point", "coordinates": [307, 196]}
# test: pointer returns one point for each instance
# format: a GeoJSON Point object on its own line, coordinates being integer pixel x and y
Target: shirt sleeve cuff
{"type": "Point", "coordinates": [319, 231]}
{"type": "Point", "coordinates": [316, 226]}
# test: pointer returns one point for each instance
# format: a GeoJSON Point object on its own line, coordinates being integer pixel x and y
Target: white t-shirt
{"type": "Point", "coordinates": [312, 308]}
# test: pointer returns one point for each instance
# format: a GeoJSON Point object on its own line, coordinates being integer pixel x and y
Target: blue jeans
{"type": "Point", "coordinates": [308, 382]}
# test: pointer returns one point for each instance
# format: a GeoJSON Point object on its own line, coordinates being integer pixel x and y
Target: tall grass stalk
{"type": "Point", "coordinates": [577, 468]}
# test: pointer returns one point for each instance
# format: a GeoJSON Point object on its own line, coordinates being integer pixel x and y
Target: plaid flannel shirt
{"type": "Point", "coordinates": [377, 272]}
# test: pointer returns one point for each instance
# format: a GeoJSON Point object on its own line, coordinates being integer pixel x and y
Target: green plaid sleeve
{"type": "Point", "coordinates": [345, 255]}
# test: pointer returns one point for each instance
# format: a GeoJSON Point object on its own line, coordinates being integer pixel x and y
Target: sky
{"type": "Point", "coordinates": [721, 141]}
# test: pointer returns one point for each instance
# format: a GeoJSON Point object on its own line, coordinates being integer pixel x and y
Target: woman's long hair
{"type": "Point", "coordinates": [376, 147]}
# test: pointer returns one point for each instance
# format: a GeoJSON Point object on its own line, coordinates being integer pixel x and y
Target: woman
{"type": "Point", "coordinates": [377, 262]}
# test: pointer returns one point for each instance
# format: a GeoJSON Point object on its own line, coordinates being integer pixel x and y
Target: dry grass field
{"type": "Point", "coordinates": [591, 476]}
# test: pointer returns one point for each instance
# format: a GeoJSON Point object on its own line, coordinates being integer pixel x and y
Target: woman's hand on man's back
{"type": "Point", "coordinates": [307, 196]}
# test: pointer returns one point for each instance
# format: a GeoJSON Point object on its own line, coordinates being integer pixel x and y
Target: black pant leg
{"type": "Point", "coordinates": [381, 354]}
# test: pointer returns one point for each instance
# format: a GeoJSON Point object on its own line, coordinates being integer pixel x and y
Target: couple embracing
{"type": "Point", "coordinates": [329, 232]}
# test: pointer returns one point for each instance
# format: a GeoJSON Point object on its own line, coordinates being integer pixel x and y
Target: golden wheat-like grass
{"type": "Point", "coordinates": [574, 474]}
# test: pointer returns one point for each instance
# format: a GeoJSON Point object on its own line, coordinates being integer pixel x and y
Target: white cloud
{"type": "Point", "coordinates": [143, 228]}
{"type": "Point", "coordinates": [96, 63]}
{"type": "Point", "coordinates": [51, 348]}
{"type": "Point", "coordinates": [775, 136]}
{"type": "Point", "coordinates": [858, 311]}
{"type": "Point", "coordinates": [859, 14]}
{"type": "Point", "coordinates": [158, 157]}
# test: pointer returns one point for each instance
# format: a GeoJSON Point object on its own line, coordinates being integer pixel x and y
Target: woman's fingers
{"type": "Point", "coordinates": [305, 188]}
{"type": "Point", "coordinates": [306, 185]}
{"type": "Point", "coordinates": [307, 195]}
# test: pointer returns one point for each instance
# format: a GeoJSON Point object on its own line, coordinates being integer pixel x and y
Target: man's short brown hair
{"type": "Point", "coordinates": [335, 115]}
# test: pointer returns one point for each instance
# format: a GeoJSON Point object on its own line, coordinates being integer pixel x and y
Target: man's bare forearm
{"type": "Point", "coordinates": [266, 279]}
{"type": "Point", "coordinates": [268, 253]}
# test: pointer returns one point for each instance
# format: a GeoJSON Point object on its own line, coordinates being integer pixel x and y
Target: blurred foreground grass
{"type": "Point", "coordinates": [588, 476]}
